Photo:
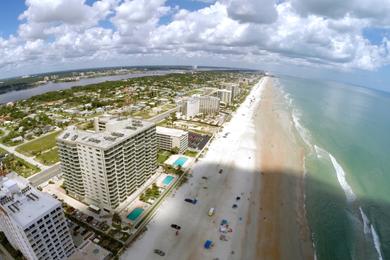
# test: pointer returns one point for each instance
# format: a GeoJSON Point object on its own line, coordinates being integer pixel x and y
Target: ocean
{"type": "Point", "coordinates": [346, 133]}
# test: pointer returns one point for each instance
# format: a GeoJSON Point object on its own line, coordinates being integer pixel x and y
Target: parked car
{"type": "Point", "coordinates": [192, 201]}
{"type": "Point", "coordinates": [176, 226]}
{"type": "Point", "coordinates": [159, 252]}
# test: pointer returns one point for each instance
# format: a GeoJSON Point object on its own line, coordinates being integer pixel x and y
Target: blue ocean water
{"type": "Point", "coordinates": [346, 132]}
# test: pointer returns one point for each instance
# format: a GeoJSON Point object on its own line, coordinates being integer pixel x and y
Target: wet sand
{"type": "Point", "coordinates": [282, 229]}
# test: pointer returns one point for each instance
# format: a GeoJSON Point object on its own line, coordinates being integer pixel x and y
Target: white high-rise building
{"type": "Point", "coordinates": [196, 104]}
{"type": "Point", "coordinates": [234, 88]}
{"type": "Point", "coordinates": [225, 96]}
{"type": "Point", "coordinates": [190, 107]}
{"type": "Point", "coordinates": [33, 221]}
{"type": "Point", "coordinates": [208, 104]}
{"type": "Point", "coordinates": [103, 168]}
{"type": "Point", "coordinates": [169, 138]}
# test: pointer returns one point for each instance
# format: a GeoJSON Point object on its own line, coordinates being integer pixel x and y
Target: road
{"type": "Point", "coordinates": [45, 175]}
{"type": "Point", "coordinates": [12, 149]}
{"type": "Point", "coordinates": [235, 154]}
{"type": "Point", "coordinates": [162, 116]}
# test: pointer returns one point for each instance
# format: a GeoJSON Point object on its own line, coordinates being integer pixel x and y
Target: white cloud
{"type": "Point", "coordinates": [252, 11]}
{"type": "Point", "coordinates": [301, 32]}
{"type": "Point", "coordinates": [43, 17]}
{"type": "Point", "coordinates": [378, 11]}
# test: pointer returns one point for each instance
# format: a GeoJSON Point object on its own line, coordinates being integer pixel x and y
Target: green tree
{"type": "Point", "coordinates": [116, 218]}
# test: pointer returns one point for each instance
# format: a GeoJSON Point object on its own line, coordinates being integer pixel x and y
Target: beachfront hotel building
{"type": "Point", "coordinates": [208, 105]}
{"type": "Point", "coordinates": [190, 107]}
{"type": "Point", "coordinates": [104, 167]}
{"type": "Point", "coordinates": [169, 138]}
{"type": "Point", "coordinates": [234, 88]}
{"type": "Point", "coordinates": [225, 96]}
{"type": "Point", "coordinates": [33, 221]}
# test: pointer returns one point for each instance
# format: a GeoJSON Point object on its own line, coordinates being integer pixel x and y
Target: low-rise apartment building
{"type": "Point", "coordinates": [169, 138]}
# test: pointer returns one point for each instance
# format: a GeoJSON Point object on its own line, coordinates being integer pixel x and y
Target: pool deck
{"type": "Point", "coordinates": [123, 208]}
{"type": "Point", "coordinates": [160, 180]}
{"type": "Point", "coordinates": [172, 159]}
{"type": "Point", "coordinates": [130, 208]}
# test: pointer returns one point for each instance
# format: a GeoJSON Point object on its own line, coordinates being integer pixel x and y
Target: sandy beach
{"type": "Point", "coordinates": [268, 222]}
{"type": "Point", "coordinates": [283, 230]}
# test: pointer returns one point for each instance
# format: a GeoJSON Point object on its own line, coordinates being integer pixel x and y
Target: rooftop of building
{"type": "Point", "coordinates": [224, 90]}
{"type": "Point", "coordinates": [117, 130]}
{"type": "Point", "coordinates": [90, 251]}
{"type": "Point", "coordinates": [22, 202]}
{"type": "Point", "coordinates": [170, 131]}
{"type": "Point", "coordinates": [205, 97]}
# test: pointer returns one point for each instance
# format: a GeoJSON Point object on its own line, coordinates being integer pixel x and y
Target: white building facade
{"type": "Point", "coordinates": [208, 105]}
{"type": "Point", "coordinates": [234, 88]}
{"type": "Point", "coordinates": [169, 138]}
{"type": "Point", "coordinates": [32, 221]}
{"type": "Point", "coordinates": [190, 107]}
{"type": "Point", "coordinates": [103, 168]}
{"type": "Point", "coordinates": [225, 96]}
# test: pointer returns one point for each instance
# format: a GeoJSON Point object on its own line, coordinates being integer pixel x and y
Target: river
{"type": "Point", "coordinates": [13, 96]}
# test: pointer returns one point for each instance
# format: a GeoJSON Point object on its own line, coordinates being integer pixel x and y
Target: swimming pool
{"type": "Point", "coordinates": [167, 180]}
{"type": "Point", "coordinates": [135, 213]}
{"type": "Point", "coordinates": [180, 161]}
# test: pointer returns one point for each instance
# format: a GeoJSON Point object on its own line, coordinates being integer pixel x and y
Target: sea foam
{"type": "Point", "coordinates": [377, 243]}
{"type": "Point", "coordinates": [296, 117]}
{"type": "Point", "coordinates": [342, 179]}
{"type": "Point", "coordinates": [351, 197]}
{"type": "Point", "coordinates": [340, 173]}
{"type": "Point", "coordinates": [366, 221]}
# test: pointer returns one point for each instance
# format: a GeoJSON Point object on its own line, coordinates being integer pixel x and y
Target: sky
{"type": "Point", "coordinates": [330, 39]}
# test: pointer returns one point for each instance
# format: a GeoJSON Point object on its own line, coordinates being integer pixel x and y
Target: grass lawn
{"type": "Point", "coordinates": [19, 165]}
{"type": "Point", "coordinates": [48, 158]}
{"type": "Point", "coordinates": [38, 145]}
{"type": "Point", "coordinates": [191, 153]}
{"type": "Point", "coordinates": [143, 113]}
{"type": "Point", "coordinates": [163, 156]}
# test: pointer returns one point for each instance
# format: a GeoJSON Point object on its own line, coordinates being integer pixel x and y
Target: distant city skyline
{"type": "Point", "coordinates": [325, 39]}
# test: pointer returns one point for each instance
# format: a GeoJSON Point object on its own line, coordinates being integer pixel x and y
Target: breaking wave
{"type": "Point", "coordinates": [339, 171]}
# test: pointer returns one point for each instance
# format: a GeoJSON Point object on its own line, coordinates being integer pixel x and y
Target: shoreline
{"type": "Point", "coordinates": [283, 230]}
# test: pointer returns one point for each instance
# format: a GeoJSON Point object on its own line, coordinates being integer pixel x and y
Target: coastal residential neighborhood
{"type": "Point", "coordinates": [194, 129]}
{"type": "Point", "coordinates": [111, 153]}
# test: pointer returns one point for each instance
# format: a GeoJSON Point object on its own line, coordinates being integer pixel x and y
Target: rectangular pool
{"type": "Point", "coordinates": [167, 180]}
{"type": "Point", "coordinates": [180, 161]}
{"type": "Point", "coordinates": [135, 213]}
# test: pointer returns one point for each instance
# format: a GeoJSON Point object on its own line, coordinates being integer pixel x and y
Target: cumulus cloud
{"type": "Point", "coordinates": [376, 10]}
{"type": "Point", "coordinates": [297, 32]}
{"type": "Point", "coordinates": [43, 17]}
{"type": "Point", "coordinates": [252, 11]}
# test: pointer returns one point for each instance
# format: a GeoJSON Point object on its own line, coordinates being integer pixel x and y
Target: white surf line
{"type": "Point", "coordinates": [340, 173]}
{"type": "Point", "coordinates": [351, 197]}
{"type": "Point", "coordinates": [342, 180]}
